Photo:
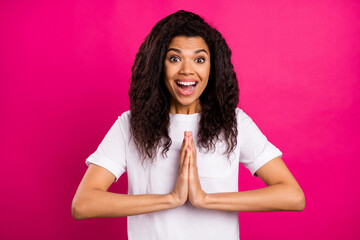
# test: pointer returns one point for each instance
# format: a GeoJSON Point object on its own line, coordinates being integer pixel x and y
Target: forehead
{"type": "Point", "coordinates": [191, 43]}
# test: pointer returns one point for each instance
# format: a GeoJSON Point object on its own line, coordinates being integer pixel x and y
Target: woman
{"type": "Point", "coordinates": [181, 143]}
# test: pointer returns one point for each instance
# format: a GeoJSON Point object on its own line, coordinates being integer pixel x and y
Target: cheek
{"type": "Point", "coordinates": [168, 85]}
{"type": "Point", "coordinates": [168, 73]}
{"type": "Point", "coordinates": [168, 82]}
{"type": "Point", "coordinates": [205, 73]}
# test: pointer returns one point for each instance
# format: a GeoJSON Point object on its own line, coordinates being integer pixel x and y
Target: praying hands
{"type": "Point", "coordinates": [188, 186]}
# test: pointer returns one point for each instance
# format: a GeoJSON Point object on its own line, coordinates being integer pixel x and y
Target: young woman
{"type": "Point", "coordinates": [181, 143]}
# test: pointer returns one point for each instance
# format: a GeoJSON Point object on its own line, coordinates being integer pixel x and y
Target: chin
{"type": "Point", "coordinates": [186, 102]}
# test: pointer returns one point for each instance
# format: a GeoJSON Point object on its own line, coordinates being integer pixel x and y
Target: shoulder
{"type": "Point", "coordinates": [244, 121]}
{"type": "Point", "coordinates": [241, 115]}
{"type": "Point", "coordinates": [124, 118]}
{"type": "Point", "coordinates": [123, 122]}
{"type": "Point", "coordinates": [126, 114]}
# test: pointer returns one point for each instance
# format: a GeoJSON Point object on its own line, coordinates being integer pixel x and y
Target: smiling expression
{"type": "Point", "coordinates": [186, 73]}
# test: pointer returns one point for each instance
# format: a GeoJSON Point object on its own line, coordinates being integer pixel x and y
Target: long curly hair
{"type": "Point", "coordinates": [150, 99]}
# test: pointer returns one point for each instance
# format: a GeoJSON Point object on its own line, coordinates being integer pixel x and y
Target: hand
{"type": "Point", "coordinates": [196, 194]}
{"type": "Point", "coordinates": [181, 192]}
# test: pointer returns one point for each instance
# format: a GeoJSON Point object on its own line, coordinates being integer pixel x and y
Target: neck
{"type": "Point", "coordinates": [195, 107]}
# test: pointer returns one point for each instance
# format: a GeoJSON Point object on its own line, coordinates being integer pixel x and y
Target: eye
{"type": "Point", "coordinates": [174, 59]}
{"type": "Point", "coordinates": [200, 60]}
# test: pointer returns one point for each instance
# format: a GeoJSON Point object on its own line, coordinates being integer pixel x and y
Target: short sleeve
{"type": "Point", "coordinates": [255, 149]}
{"type": "Point", "coordinates": [111, 152]}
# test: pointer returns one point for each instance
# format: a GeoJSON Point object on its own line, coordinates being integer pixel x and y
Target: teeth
{"type": "Point", "coordinates": [186, 83]}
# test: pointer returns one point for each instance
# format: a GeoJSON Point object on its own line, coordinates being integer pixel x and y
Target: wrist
{"type": "Point", "coordinates": [174, 201]}
{"type": "Point", "coordinates": [205, 200]}
{"type": "Point", "coordinates": [200, 201]}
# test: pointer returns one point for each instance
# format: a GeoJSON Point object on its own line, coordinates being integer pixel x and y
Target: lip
{"type": "Point", "coordinates": [186, 93]}
{"type": "Point", "coordinates": [186, 80]}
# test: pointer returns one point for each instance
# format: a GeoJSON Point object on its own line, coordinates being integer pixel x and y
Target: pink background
{"type": "Point", "coordinates": [64, 73]}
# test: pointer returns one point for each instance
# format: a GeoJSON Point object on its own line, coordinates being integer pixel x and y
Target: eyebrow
{"type": "Point", "coordinates": [179, 51]}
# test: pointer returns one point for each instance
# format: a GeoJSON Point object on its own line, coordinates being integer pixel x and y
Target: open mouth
{"type": "Point", "coordinates": [186, 87]}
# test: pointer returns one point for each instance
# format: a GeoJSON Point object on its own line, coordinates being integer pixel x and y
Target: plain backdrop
{"type": "Point", "coordinates": [64, 75]}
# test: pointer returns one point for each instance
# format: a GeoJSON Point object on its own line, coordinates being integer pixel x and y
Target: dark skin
{"type": "Point", "coordinates": [92, 200]}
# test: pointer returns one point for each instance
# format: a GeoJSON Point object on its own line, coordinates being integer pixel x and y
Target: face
{"type": "Point", "coordinates": [186, 72]}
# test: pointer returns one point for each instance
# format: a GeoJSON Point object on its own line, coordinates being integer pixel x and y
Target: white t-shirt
{"type": "Point", "coordinates": [117, 153]}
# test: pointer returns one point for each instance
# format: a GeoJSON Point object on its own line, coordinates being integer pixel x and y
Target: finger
{"type": "Point", "coordinates": [186, 161]}
{"type": "Point", "coordinates": [193, 171]}
{"type": "Point", "coordinates": [183, 148]}
{"type": "Point", "coordinates": [192, 140]}
{"type": "Point", "coordinates": [191, 158]}
{"type": "Point", "coordinates": [183, 142]}
{"type": "Point", "coordinates": [186, 140]}
{"type": "Point", "coordinates": [192, 144]}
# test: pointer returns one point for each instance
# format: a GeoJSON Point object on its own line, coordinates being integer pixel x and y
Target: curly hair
{"type": "Point", "coordinates": [150, 100]}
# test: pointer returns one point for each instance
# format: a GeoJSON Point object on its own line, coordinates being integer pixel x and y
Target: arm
{"type": "Point", "coordinates": [92, 200]}
{"type": "Point", "coordinates": [282, 193]}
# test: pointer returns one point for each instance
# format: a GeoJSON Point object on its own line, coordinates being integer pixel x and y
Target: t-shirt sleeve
{"type": "Point", "coordinates": [255, 149]}
{"type": "Point", "coordinates": [110, 154]}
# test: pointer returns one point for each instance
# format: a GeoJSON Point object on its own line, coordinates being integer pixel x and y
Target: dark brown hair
{"type": "Point", "coordinates": [150, 100]}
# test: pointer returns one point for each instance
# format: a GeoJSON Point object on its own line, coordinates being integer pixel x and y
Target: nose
{"type": "Point", "coordinates": [186, 68]}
